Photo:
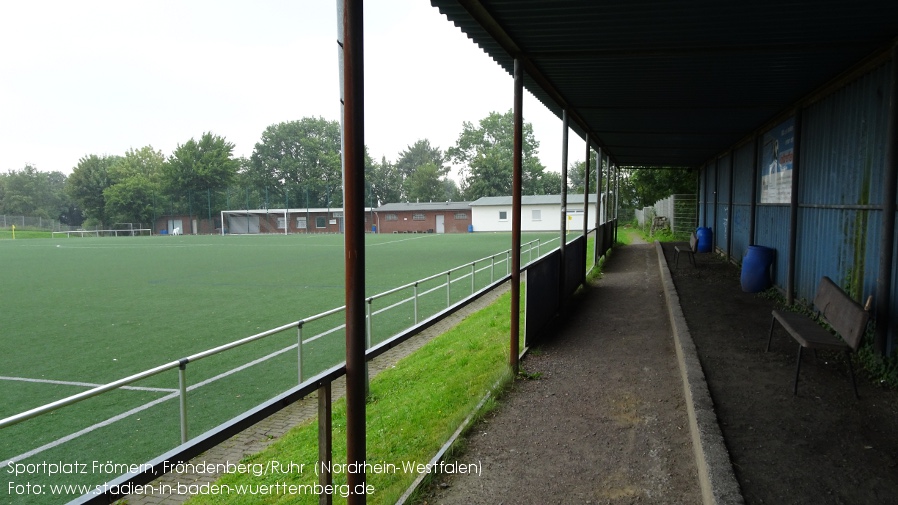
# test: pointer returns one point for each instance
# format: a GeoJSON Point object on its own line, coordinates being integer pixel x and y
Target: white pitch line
{"type": "Point", "coordinates": [85, 384]}
{"type": "Point", "coordinates": [143, 407]}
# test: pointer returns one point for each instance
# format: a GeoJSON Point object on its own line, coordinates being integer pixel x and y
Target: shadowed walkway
{"type": "Point", "coordinates": [606, 421]}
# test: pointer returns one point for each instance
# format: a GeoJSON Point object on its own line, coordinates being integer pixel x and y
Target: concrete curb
{"type": "Point", "coordinates": [715, 471]}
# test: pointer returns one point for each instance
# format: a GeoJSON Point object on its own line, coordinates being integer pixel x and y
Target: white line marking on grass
{"type": "Point", "coordinates": [153, 403]}
{"type": "Point", "coordinates": [397, 241]}
{"type": "Point", "coordinates": [85, 384]}
{"type": "Point", "coordinates": [89, 429]}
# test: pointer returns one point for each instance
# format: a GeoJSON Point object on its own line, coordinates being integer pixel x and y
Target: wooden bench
{"type": "Point", "coordinates": [693, 248]}
{"type": "Point", "coordinates": [835, 308]}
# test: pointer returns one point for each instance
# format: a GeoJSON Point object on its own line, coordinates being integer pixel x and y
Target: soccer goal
{"type": "Point", "coordinates": [116, 230]}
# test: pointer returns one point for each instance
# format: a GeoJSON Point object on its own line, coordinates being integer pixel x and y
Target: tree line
{"type": "Point", "coordinates": [294, 164]}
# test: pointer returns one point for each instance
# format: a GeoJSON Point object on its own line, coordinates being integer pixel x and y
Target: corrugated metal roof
{"type": "Point", "coordinates": [405, 206]}
{"type": "Point", "coordinates": [572, 199]}
{"type": "Point", "coordinates": [659, 83]}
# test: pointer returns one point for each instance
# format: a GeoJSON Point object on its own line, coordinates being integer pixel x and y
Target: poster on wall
{"type": "Point", "coordinates": [776, 163]}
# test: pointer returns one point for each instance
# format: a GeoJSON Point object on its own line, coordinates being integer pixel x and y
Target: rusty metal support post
{"type": "Point", "coordinates": [793, 210]}
{"type": "Point", "coordinates": [354, 241]}
{"type": "Point", "coordinates": [517, 164]}
{"type": "Point", "coordinates": [585, 203]}
{"type": "Point", "coordinates": [562, 245]}
{"type": "Point", "coordinates": [598, 242]}
{"type": "Point", "coordinates": [887, 241]}
{"type": "Point", "coordinates": [325, 442]}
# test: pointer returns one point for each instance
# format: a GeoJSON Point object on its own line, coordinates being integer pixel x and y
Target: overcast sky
{"type": "Point", "coordinates": [102, 76]}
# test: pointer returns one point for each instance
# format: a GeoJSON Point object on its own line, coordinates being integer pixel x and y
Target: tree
{"type": "Point", "coordinates": [425, 185]}
{"type": "Point", "coordinates": [29, 192]}
{"type": "Point", "coordinates": [384, 182]}
{"type": "Point", "coordinates": [301, 157]}
{"type": "Point", "coordinates": [136, 181]}
{"type": "Point", "coordinates": [648, 185]}
{"type": "Point", "coordinates": [86, 185]}
{"type": "Point", "coordinates": [415, 157]}
{"type": "Point", "coordinates": [575, 175]}
{"type": "Point", "coordinates": [486, 154]}
{"type": "Point", "coordinates": [196, 167]}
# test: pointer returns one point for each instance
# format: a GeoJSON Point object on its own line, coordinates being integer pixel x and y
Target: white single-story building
{"type": "Point", "coordinates": [538, 213]}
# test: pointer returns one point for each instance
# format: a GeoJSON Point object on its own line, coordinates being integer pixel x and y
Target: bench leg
{"type": "Point", "coordinates": [797, 369]}
{"type": "Point", "coordinates": [851, 372]}
{"type": "Point", "coordinates": [770, 337]}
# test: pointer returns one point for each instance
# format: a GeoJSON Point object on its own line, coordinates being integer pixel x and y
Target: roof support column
{"type": "Point", "coordinates": [517, 164]}
{"type": "Point", "coordinates": [887, 242]}
{"type": "Point", "coordinates": [715, 203]}
{"type": "Point", "coordinates": [617, 177]}
{"type": "Point", "coordinates": [753, 204]}
{"type": "Point", "coordinates": [599, 242]}
{"type": "Point", "coordinates": [586, 200]}
{"type": "Point", "coordinates": [563, 227]}
{"type": "Point", "coordinates": [731, 208]}
{"type": "Point", "coordinates": [793, 211]}
{"type": "Point", "coordinates": [353, 71]}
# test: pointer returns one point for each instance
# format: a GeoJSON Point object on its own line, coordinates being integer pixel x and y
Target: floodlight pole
{"type": "Point", "coordinates": [517, 164]}
{"type": "Point", "coordinates": [353, 73]}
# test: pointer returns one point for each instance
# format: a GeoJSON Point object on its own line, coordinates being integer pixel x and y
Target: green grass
{"type": "Point", "coordinates": [413, 409]}
{"type": "Point", "coordinates": [98, 309]}
{"type": "Point", "coordinates": [6, 234]}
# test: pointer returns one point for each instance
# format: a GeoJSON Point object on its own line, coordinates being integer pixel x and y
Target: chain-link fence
{"type": "Point", "coordinates": [679, 213]}
{"type": "Point", "coordinates": [32, 223]}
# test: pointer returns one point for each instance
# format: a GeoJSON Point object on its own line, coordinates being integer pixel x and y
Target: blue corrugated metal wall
{"type": "Point", "coordinates": [722, 226]}
{"type": "Point", "coordinates": [842, 166]}
{"type": "Point", "coordinates": [843, 163]}
{"type": "Point", "coordinates": [742, 185]}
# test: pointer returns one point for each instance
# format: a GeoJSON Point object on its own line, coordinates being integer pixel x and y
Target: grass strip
{"type": "Point", "coordinates": [413, 409]}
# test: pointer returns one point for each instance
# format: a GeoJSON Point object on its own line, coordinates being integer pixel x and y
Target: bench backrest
{"type": "Point", "coordinates": [845, 315]}
{"type": "Point", "coordinates": [693, 242]}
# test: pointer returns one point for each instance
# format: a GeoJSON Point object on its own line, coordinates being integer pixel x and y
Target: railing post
{"type": "Point", "coordinates": [448, 284]}
{"type": "Point", "coordinates": [325, 443]}
{"type": "Point", "coordinates": [538, 254]}
{"type": "Point", "coordinates": [299, 351]}
{"type": "Point", "coordinates": [473, 270]}
{"type": "Point", "coordinates": [182, 386]}
{"type": "Point", "coordinates": [507, 262]}
{"type": "Point", "coordinates": [368, 324]}
{"type": "Point", "coordinates": [492, 268]}
{"type": "Point", "coordinates": [416, 302]}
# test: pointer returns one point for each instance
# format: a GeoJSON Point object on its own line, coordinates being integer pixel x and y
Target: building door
{"type": "Point", "coordinates": [441, 224]}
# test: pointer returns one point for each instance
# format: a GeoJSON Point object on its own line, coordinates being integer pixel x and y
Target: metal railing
{"type": "Point", "coordinates": [470, 270]}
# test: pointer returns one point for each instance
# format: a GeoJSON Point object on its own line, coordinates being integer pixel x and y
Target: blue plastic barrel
{"type": "Point", "coordinates": [756, 268]}
{"type": "Point", "coordinates": [704, 235]}
{"type": "Point", "coordinates": [470, 228]}
{"type": "Point", "coordinates": [373, 228]}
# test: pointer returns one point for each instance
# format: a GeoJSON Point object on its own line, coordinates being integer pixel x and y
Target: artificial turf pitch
{"type": "Point", "coordinates": [94, 310]}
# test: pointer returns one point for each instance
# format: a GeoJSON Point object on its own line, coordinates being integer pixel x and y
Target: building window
{"type": "Point", "coordinates": [301, 223]}
{"type": "Point", "coordinates": [336, 214]}
{"type": "Point", "coordinates": [282, 223]}
{"type": "Point", "coordinates": [461, 215]}
{"type": "Point", "coordinates": [503, 215]}
{"type": "Point", "coordinates": [392, 217]}
{"type": "Point", "coordinates": [320, 222]}
{"type": "Point", "coordinates": [418, 217]}
{"type": "Point", "coordinates": [537, 215]}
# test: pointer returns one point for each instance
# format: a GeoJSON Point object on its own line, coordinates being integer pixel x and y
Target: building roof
{"type": "Point", "coordinates": [300, 210]}
{"type": "Point", "coordinates": [659, 83]}
{"type": "Point", "coordinates": [410, 206]}
{"type": "Point", "coordinates": [505, 201]}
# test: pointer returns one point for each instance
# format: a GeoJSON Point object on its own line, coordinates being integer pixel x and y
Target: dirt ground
{"type": "Point", "coordinates": [821, 446]}
{"type": "Point", "coordinates": [626, 442]}
{"type": "Point", "coordinates": [604, 422]}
